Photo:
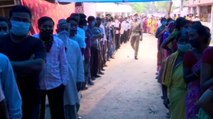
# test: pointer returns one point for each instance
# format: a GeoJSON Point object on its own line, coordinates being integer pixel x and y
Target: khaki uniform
{"type": "Point", "coordinates": [136, 36]}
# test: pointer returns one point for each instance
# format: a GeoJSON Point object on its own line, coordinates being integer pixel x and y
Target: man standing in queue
{"type": "Point", "coordinates": [27, 55]}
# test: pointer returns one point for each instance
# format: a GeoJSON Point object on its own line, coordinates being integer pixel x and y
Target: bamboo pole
{"type": "Point", "coordinates": [170, 8]}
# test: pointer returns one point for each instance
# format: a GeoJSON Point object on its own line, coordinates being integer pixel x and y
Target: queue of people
{"type": "Point", "coordinates": [184, 68]}
{"type": "Point", "coordinates": [57, 65]}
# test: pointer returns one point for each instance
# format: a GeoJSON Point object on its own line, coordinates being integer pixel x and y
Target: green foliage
{"type": "Point", "coordinates": [151, 7]}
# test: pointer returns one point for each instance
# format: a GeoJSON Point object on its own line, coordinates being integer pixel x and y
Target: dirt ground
{"type": "Point", "coordinates": [128, 90]}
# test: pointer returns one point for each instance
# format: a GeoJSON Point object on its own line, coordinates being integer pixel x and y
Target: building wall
{"type": "Point", "coordinates": [42, 8]}
{"type": "Point", "coordinates": [200, 2]}
{"type": "Point", "coordinates": [89, 9]}
{"type": "Point", "coordinates": [5, 7]}
{"type": "Point", "coordinates": [203, 9]}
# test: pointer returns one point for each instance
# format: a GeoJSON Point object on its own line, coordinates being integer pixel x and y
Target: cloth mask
{"type": "Point", "coordinates": [194, 43]}
{"type": "Point", "coordinates": [85, 28]}
{"type": "Point", "coordinates": [184, 47]}
{"type": "Point", "coordinates": [64, 36]}
{"type": "Point", "coordinates": [20, 28]}
{"type": "Point", "coordinates": [46, 34]}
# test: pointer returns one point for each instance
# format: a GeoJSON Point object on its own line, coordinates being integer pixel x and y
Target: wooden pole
{"type": "Point", "coordinates": [170, 9]}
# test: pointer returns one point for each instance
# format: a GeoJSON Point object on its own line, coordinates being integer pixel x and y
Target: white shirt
{"type": "Point", "coordinates": [55, 71]}
{"type": "Point", "coordinates": [102, 28]}
{"type": "Point", "coordinates": [76, 69]}
{"type": "Point", "coordinates": [196, 19]}
{"type": "Point", "coordinates": [124, 27]}
{"type": "Point", "coordinates": [81, 37]}
{"type": "Point", "coordinates": [117, 25]}
{"type": "Point", "coordinates": [9, 89]}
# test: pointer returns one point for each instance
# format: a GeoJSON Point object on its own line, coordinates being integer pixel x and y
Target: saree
{"type": "Point", "coordinates": [160, 54]}
{"type": "Point", "coordinates": [173, 79]}
{"type": "Point", "coordinates": [193, 88]}
{"type": "Point", "coordinates": [203, 115]}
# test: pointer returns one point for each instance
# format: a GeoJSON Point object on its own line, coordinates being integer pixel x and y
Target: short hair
{"type": "Point", "coordinates": [183, 33]}
{"type": "Point", "coordinates": [136, 15]}
{"type": "Point", "coordinates": [98, 18]}
{"type": "Point", "coordinates": [61, 21]}
{"type": "Point", "coordinates": [73, 22]}
{"type": "Point", "coordinates": [20, 8]}
{"type": "Point", "coordinates": [90, 18]}
{"type": "Point", "coordinates": [72, 18]}
{"type": "Point", "coordinates": [44, 19]}
{"type": "Point", "coordinates": [82, 16]}
{"type": "Point", "coordinates": [180, 22]}
{"type": "Point", "coordinates": [3, 19]}
{"type": "Point", "coordinates": [83, 22]}
{"type": "Point", "coordinates": [163, 19]}
{"type": "Point", "coordinates": [73, 14]}
{"type": "Point", "coordinates": [202, 31]}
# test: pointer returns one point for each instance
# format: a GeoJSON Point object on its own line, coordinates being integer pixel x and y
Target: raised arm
{"type": "Point", "coordinates": [169, 39]}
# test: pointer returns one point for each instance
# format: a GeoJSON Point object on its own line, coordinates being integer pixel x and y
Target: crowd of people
{"type": "Point", "coordinates": [185, 68]}
{"type": "Point", "coordinates": [56, 64]}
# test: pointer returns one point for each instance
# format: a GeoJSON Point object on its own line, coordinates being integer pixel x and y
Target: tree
{"type": "Point", "coordinates": [151, 7]}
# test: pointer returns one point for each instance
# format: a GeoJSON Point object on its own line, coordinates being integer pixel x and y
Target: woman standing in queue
{"type": "Point", "coordinates": [199, 37]}
{"type": "Point", "coordinates": [173, 77]}
{"type": "Point", "coordinates": [206, 100]}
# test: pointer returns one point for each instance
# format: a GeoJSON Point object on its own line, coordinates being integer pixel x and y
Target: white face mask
{"type": "Point", "coordinates": [93, 23]}
{"type": "Point", "coordinates": [64, 36]}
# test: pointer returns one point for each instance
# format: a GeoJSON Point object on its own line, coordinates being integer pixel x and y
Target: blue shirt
{"type": "Point", "coordinates": [10, 88]}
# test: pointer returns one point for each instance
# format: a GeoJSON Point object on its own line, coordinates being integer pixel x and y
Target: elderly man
{"type": "Point", "coordinates": [66, 31]}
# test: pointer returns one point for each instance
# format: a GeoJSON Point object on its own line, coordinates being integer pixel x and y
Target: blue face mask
{"type": "Point", "coordinates": [184, 47]}
{"type": "Point", "coordinates": [93, 23]}
{"type": "Point", "coordinates": [85, 28]}
{"type": "Point", "coordinates": [164, 23]}
{"type": "Point", "coordinates": [20, 28]}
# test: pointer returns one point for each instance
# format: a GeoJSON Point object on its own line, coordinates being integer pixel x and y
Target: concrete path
{"type": "Point", "coordinates": [128, 90]}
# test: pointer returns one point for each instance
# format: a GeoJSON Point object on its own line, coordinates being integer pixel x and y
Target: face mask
{"type": "Point", "coordinates": [164, 23]}
{"type": "Point", "coordinates": [3, 33]}
{"type": "Point", "coordinates": [85, 28]}
{"type": "Point", "coordinates": [73, 33]}
{"type": "Point", "coordinates": [64, 36]}
{"type": "Point", "coordinates": [93, 23]}
{"type": "Point", "coordinates": [194, 43]}
{"type": "Point", "coordinates": [46, 34]}
{"type": "Point", "coordinates": [184, 47]}
{"type": "Point", "coordinates": [20, 28]}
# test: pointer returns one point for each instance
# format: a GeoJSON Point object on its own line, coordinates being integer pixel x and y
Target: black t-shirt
{"type": "Point", "coordinates": [23, 51]}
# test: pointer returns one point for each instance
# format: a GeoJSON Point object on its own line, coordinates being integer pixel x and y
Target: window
{"type": "Point", "coordinates": [7, 3]}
